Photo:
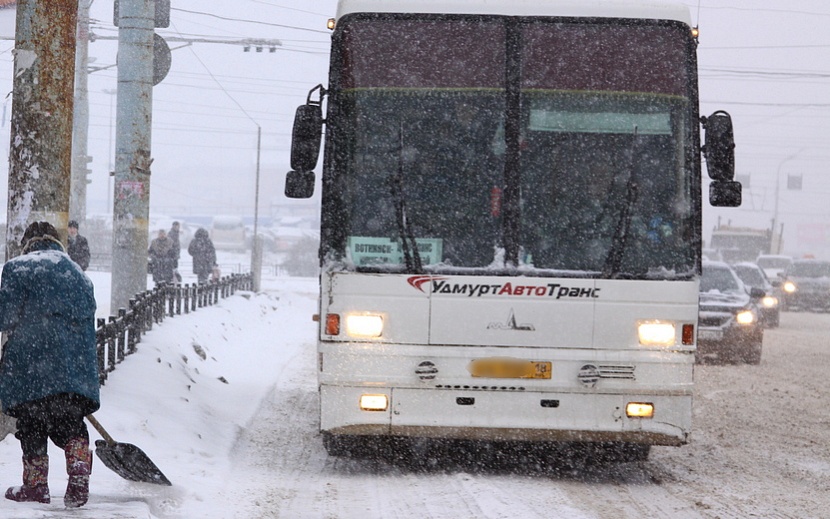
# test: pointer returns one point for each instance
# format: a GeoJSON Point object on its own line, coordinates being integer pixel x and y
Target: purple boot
{"type": "Point", "coordinates": [35, 482]}
{"type": "Point", "coordinates": [78, 467]}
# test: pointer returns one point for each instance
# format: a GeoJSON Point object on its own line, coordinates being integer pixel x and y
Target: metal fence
{"type": "Point", "coordinates": [119, 335]}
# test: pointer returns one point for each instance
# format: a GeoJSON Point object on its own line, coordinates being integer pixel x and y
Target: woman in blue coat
{"type": "Point", "coordinates": [49, 368]}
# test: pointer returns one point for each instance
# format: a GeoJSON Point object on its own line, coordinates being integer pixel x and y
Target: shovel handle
{"type": "Point", "coordinates": [100, 428]}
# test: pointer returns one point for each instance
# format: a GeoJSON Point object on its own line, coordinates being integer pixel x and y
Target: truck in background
{"type": "Point", "coordinates": [736, 244]}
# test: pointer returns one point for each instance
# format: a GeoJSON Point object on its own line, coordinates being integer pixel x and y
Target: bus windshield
{"type": "Point", "coordinates": [588, 166]}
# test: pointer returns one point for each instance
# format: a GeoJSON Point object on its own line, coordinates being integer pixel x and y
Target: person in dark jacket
{"type": "Point", "coordinates": [204, 255]}
{"type": "Point", "coordinates": [162, 259]}
{"type": "Point", "coordinates": [173, 234]}
{"type": "Point", "coordinates": [77, 246]}
{"type": "Point", "coordinates": [49, 367]}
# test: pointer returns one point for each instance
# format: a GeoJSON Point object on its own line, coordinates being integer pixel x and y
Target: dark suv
{"type": "Point", "coordinates": [730, 327]}
{"type": "Point", "coordinates": [806, 285]}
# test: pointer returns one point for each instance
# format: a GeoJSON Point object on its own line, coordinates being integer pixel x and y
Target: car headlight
{"type": "Point", "coordinates": [789, 287]}
{"type": "Point", "coordinates": [769, 301]}
{"type": "Point", "coordinates": [745, 317]}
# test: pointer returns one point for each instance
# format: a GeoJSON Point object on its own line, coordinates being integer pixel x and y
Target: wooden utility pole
{"type": "Point", "coordinates": [41, 121]}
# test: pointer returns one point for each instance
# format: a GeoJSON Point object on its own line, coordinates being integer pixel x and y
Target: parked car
{"type": "Point", "coordinates": [774, 265]}
{"type": "Point", "coordinates": [753, 276]}
{"type": "Point", "coordinates": [729, 322]}
{"type": "Point", "coordinates": [806, 285]}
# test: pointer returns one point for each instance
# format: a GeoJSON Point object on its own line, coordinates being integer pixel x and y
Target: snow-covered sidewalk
{"type": "Point", "coordinates": [183, 399]}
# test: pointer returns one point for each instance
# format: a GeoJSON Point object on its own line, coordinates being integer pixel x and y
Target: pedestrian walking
{"type": "Point", "coordinates": [204, 255]}
{"type": "Point", "coordinates": [162, 258]}
{"type": "Point", "coordinates": [175, 237]}
{"type": "Point", "coordinates": [77, 246]}
{"type": "Point", "coordinates": [49, 368]}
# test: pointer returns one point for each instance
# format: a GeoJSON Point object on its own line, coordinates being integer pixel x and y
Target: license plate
{"type": "Point", "coordinates": [709, 335]}
{"type": "Point", "coordinates": [510, 368]}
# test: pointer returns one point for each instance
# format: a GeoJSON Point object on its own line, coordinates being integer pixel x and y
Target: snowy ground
{"type": "Point", "coordinates": [224, 401]}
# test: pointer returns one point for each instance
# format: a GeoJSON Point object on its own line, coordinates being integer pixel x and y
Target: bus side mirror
{"type": "Point", "coordinates": [724, 193]}
{"type": "Point", "coordinates": [299, 184]}
{"type": "Point", "coordinates": [306, 137]}
{"type": "Point", "coordinates": [719, 148]}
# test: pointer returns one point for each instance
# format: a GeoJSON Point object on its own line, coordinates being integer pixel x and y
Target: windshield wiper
{"type": "Point", "coordinates": [615, 255]}
{"type": "Point", "coordinates": [413, 260]}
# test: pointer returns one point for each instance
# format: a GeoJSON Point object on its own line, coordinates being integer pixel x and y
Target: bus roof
{"type": "Point", "coordinates": [639, 9]}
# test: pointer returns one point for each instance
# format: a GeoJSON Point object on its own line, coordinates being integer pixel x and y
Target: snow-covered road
{"type": "Point", "coordinates": [760, 448]}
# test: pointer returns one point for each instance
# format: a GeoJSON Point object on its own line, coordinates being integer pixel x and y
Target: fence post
{"type": "Point", "coordinates": [134, 325]}
{"type": "Point", "coordinates": [111, 329]}
{"type": "Point", "coordinates": [186, 298]}
{"type": "Point", "coordinates": [201, 290]}
{"type": "Point", "coordinates": [101, 350]}
{"type": "Point", "coordinates": [147, 308]}
{"type": "Point", "coordinates": [168, 295]}
{"type": "Point", "coordinates": [121, 329]}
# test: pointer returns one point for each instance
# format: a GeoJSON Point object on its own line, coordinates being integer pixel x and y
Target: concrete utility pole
{"type": "Point", "coordinates": [41, 121]}
{"type": "Point", "coordinates": [131, 203]}
{"type": "Point", "coordinates": [80, 159]}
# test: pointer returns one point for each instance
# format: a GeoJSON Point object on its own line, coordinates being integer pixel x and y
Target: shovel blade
{"type": "Point", "coordinates": [129, 462]}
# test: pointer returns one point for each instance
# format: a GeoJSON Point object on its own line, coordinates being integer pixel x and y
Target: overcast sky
{"type": "Point", "coordinates": [766, 62]}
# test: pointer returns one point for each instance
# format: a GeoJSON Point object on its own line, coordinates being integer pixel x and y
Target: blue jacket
{"type": "Point", "coordinates": [47, 310]}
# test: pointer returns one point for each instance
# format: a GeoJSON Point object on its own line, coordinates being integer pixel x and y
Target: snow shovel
{"type": "Point", "coordinates": [126, 460]}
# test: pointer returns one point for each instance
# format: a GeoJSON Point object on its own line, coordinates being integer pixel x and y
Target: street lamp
{"type": "Point", "coordinates": [256, 246]}
{"type": "Point", "coordinates": [777, 191]}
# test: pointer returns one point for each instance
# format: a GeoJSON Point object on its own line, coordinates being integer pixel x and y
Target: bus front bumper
{"type": "Point", "coordinates": [507, 414]}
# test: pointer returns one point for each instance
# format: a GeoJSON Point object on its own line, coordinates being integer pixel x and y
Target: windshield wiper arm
{"type": "Point", "coordinates": [614, 260]}
{"type": "Point", "coordinates": [413, 260]}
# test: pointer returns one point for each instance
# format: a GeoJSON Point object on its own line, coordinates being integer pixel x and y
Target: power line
{"type": "Point", "coordinates": [202, 13]}
{"type": "Point", "coordinates": [755, 9]}
{"type": "Point", "coordinates": [286, 8]}
{"type": "Point", "coordinates": [765, 47]}
{"type": "Point", "coordinates": [769, 73]}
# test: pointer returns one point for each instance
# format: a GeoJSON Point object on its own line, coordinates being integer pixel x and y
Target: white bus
{"type": "Point", "coordinates": [511, 221]}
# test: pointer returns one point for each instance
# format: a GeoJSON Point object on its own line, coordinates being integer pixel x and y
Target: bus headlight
{"type": "Point", "coordinates": [789, 287]}
{"type": "Point", "coordinates": [769, 302]}
{"type": "Point", "coordinates": [745, 317]}
{"type": "Point", "coordinates": [656, 333]}
{"type": "Point", "coordinates": [364, 325]}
